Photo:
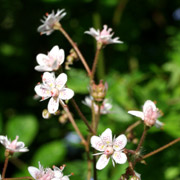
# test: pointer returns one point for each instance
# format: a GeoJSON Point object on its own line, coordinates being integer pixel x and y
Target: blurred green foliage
{"type": "Point", "coordinates": [146, 66]}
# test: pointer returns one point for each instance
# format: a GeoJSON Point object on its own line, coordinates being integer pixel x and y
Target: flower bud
{"type": "Point", "coordinates": [46, 114]}
{"type": "Point", "coordinates": [71, 58]}
{"type": "Point", "coordinates": [98, 91]}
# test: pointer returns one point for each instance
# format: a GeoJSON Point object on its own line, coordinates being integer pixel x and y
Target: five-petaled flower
{"type": "Point", "coordinates": [51, 61]}
{"type": "Point", "coordinates": [149, 115]}
{"type": "Point", "coordinates": [54, 88]}
{"type": "Point", "coordinates": [104, 36]}
{"type": "Point", "coordinates": [104, 108]}
{"type": "Point", "coordinates": [47, 173]}
{"type": "Point", "coordinates": [109, 148]}
{"type": "Point", "coordinates": [51, 21]}
{"type": "Point", "coordinates": [14, 146]}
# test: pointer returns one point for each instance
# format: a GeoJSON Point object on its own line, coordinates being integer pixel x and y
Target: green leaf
{"type": "Point", "coordinates": [24, 126]}
{"type": "Point", "coordinates": [78, 81]}
{"type": "Point", "coordinates": [49, 154]}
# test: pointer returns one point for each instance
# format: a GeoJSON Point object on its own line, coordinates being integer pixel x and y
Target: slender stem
{"type": "Point", "coordinates": [132, 126]}
{"type": "Point", "coordinates": [142, 138]}
{"type": "Point", "coordinates": [30, 178]}
{"type": "Point", "coordinates": [65, 107]}
{"type": "Point", "coordinates": [76, 49]}
{"type": "Point", "coordinates": [82, 116]}
{"type": "Point", "coordinates": [93, 115]}
{"type": "Point", "coordinates": [95, 61]}
{"type": "Point", "coordinates": [5, 166]}
{"type": "Point", "coordinates": [97, 117]}
{"type": "Point", "coordinates": [161, 148]}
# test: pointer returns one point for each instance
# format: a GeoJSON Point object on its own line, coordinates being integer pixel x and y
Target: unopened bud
{"type": "Point", "coordinates": [46, 114]}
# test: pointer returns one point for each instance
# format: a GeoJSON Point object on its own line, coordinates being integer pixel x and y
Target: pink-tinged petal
{"type": "Point", "coordinates": [61, 81]}
{"type": "Point", "coordinates": [159, 124]}
{"type": "Point", "coordinates": [43, 68]}
{"type": "Point", "coordinates": [57, 54]}
{"type": "Point", "coordinates": [137, 113]}
{"type": "Point", "coordinates": [42, 91]}
{"type": "Point", "coordinates": [102, 162]}
{"type": "Point", "coordinates": [119, 157]}
{"type": "Point", "coordinates": [53, 105]}
{"type": "Point", "coordinates": [97, 143]}
{"type": "Point", "coordinates": [33, 171]}
{"type": "Point", "coordinates": [148, 104]}
{"type": "Point", "coordinates": [120, 142]}
{"type": "Point", "coordinates": [42, 59]}
{"type": "Point", "coordinates": [66, 94]}
{"type": "Point", "coordinates": [48, 79]}
{"type": "Point", "coordinates": [106, 136]}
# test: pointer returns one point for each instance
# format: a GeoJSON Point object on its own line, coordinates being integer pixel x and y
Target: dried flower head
{"type": "Point", "coordinates": [51, 22]}
{"type": "Point", "coordinates": [54, 88]}
{"type": "Point", "coordinates": [149, 115]}
{"type": "Point", "coordinates": [104, 37]}
{"type": "Point", "coordinates": [14, 146]}
{"type": "Point", "coordinates": [51, 61]}
{"type": "Point", "coordinates": [110, 148]}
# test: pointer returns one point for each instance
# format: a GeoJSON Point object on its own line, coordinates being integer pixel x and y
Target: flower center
{"type": "Point", "coordinates": [109, 150]}
{"type": "Point", "coordinates": [13, 143]}
{"type": "Point", "coordinates": [54, 92]}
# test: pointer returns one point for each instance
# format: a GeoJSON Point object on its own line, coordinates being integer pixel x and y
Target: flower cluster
{"type": "Point", "coordinates": [109, 148]}
{"type": "Point", "coordinates": [47, 173]}
{"type": "Point", "coordinates": [13, 146]}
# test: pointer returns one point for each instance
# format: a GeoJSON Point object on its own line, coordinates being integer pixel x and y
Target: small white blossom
{"type": "Point", "coordinates": [47, 173]}
{"type": "Point", "coordinates": [54, 88]}
{"type": "Point", "coordinates": [105, 106]}
{"type": "Point", "coordinates": [50, 20]}
{"type": "Point", "coordinates": [14, 146]}
{"type": "Point", "coordinates": [104, 36]}
{"type": "Point", "coordinates": [51, 61]}
{"type": "Point", "coordinates": [109, 148]}
{"type": "Point", "coordinates": [149, 114]}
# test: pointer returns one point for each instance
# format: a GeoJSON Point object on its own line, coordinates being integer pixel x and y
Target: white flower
{"type": "Point", "coordinates": [48, 23]}
{"type": "Point", "coordinates": [149, 115]}
{"type": "Point", "coordinates": [104, 109]}
{"type": "Point", "coordinates": [14, 146]}
{"type": "Point", "coordinates": [47, 173]}
{"type": "Point", "coordinates": [104, 36]}
{"type": "Point", "coordinates": [51, 61]}
{"type": "Point", "coordinates": [54, 88]}
{"type": "Point", "coordinates": [109, 148]}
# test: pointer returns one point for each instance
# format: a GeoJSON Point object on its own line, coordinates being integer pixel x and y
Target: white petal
{"type": "Point", "coordinates": [48, 79]}
{"type": "Point", "coordinates": [66, 94]}
{"type": "Point", "coordinates": [97, 143]}
{"type": "Point", "coordinates": [42, 59]}
{"type": "Point", "coordinates": [61, 81]}
{"type": "Point", "coordinates": [106, 136]}
{"type": "Point", "coordinates": [33, 171]}
{"type": "Point", "coordinates": [53, 105]}
{"type": "Point", "coordinates": [159, 124]}
{"type": "Point", "coordinates": [102, 162]}
{"type": "Point", "coordinates": [65, 178]}
{"type": "Point", "coordinates": [119, 157]}
{"type": "Point", "coordinates": [137, 113]}
{"type": "Point", "coordinates": [42, 91]}
{"type": "Point", "coordinates": [43, 68]}
{"type": "Point", "coordinates": [57, 54]}
{"type": "Point", "coordinates": [120, 142]}
{"type": "Point", "coordinates": [147, 104]}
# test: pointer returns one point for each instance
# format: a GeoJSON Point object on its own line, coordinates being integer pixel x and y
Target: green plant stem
{"type": "Point", "coordinates": [5, 166]}
{"type": "Point", "coordinates": [95, 61]}
{"type": "Point", "coordinates": [97, 117]}
{"type": "Point", "coordinates": [76, 49]}
{"type": "Point", "coordinates": [161, 148]}
{"type": "Point", "coordinates": [142, 138]}
{"type": "Point", "coordinates": [82, 116]}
